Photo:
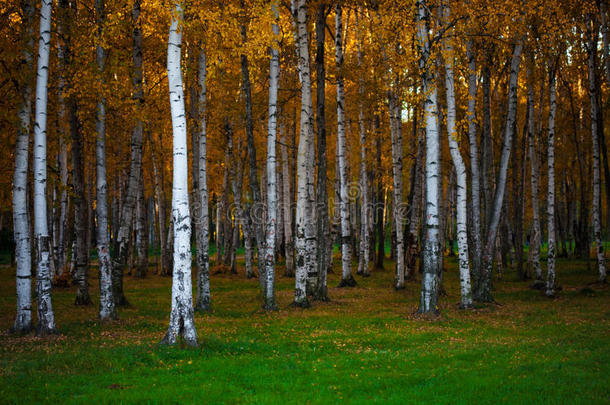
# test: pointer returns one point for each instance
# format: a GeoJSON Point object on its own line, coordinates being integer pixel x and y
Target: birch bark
{"type": "Point", "coordinates": [21, 216]}
{"type": "Point", "coordinates": [181, 323]}
{"type": "Point", "coordinates": [46, 317]}
{"type": "Point", "coordinates": [107, 308]}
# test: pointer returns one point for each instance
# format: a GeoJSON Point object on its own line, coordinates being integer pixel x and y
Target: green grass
{"type": "Point", "coordinates": [363, 346]}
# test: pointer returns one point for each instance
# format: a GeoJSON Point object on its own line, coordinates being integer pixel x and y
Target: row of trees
{"type": "Point", "coordinates": [401, 76]}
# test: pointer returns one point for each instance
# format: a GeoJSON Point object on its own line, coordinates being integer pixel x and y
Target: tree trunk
{"type": "Point", "coordinates": [320, 291]}
{"type": "Point", "coordinates": [364, 258]}
{"type": "Point", "coordinates": [46, 318]}
{"type": "Point", "coordinates": [21, 215]}
{"type": "Point", "coordinates": [536, 233]}
{"type": "Point", "coordinates": [483, 292]}
{"type": "Point", "coordinates": [181, 323]}
{"type": "Point", "coordinates": [347, 280]}
{"type": "Point", "coordinates": [274, 78]}
{"type": "Point", "coordinates": [474, 161]}
{"type": "Point", "coordinates": [460, 170]}
{"type": "Point", "coordinates": [431, 253]}
{"type": "Point", "coordinates": [122, 244]}
{"type": "Point", "coordinates": [550, 281]}
{"type": "Point", "coordinates": [592, 53]}
{"type": "Point", "coordinates": [107, 308]}
{"type": "Point", "coordinates": [202, 221]}
{"type": "Point", "coordinates": [256, 209]}
{"type": "Point", "coordinates": [288, 203]}
{"type": "Point", "coordinates": [379, 204]}
{"type": "Point", "coordinates": [305, 227]}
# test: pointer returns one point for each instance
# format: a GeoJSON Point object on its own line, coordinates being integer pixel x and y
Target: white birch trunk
{"type": "Point", "coordinates": [460, 170]}
{"type": "Point", "coordinates": [21, 218]}
{"type": "Point", "coordinates": [347, 280]}
{"type": "Point", "coordinates": [203, 221]}
{"type": "Point", "coordinates": [397, 204]}
{"type": "Point", "coordinates": [46, 317]}
{"type": "Point", "coordinates": [550, 281]}
{"type": "Point", "coordinates": [536, 233]}
{"type": "Point", "coordinates": [274, 76]}
{"type": "Point", "coordinates": [431, 251]}
{"type": "Point", "coordinates": [181, 323]}
{"type": "Point", "coordinates": [474, 158]}
{"type": "Point", "coordinates": [107, 308]}
{"type": "Point", "coordinates": [483, 292]}
{"type": "Point", "coordinates": [305, 228]}
{"type": "Point", "coordinates": [288, 202]}
{"type": "Point", "coordinates": [597, 226]}
{"type": "Point", "coordinates": [122, 243]}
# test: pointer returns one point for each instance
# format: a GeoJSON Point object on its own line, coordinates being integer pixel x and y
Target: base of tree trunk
{"type": "Point", "coordinates": [348, 282]}
{"type": "Point", "coordinates": [399, 287]}
{"type": "Point", "coordinates": [169, 341]}
{"type": "Point", "coordinates": [42, 331]}
{"type": "Point", "coordinates": [83, 300]}
{"type": "Point", "coordinates": [538, 285]}
{"type": "Point", "coordinates": [251, 276]}
{"type": "Point", "coordinates": [21, 330]}
{"type": "Point", "coordinates": [301, 304]}
{"type": "Point", "coordinates": [203, 308]}
{"type": "Point", "coordinates": [466, 306]}
{"type": "Point", "coordinates": [121, 301]}
{"type": "Point", "coordinates": [270, 306]}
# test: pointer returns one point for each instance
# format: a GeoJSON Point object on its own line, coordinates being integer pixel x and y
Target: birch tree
{"type": "Point", "coordinates": [274, 77]}
{"type": "Point", "coordinates": [597, 227]}
{"type": "Point", "coordinates": [323, 223]}
{"type": "Point", "coordinates": [460, 170]}
{"type": "Point", "coordinates": [46, 317]}
{"type": "Point", "coordinates": [347, 279]}
{"type": "Point", "coordinates": [431, 251]}
{"type": "Point", "coordinates": [305, 227]}
{"type": "Point", "coordinates": [21, 215]}
{"type": "Point", "coordinates": [550, 281]}
{"type": "Point", "coordinates": [202, 225]}
{"type": "Point", "coordinates": [122, 243]}
{"type": "Point", "coordinates": [483, 290]}
{"type": "Point", "coordinates": [181, 323]}
{"type": "Point", "coordinates": [475, 172]}
{"type": "Point", "coordinates": [535, 239]}
{"type": "Point", "coordinates": [364, 257]}
{"type": "Point", "coordinates": [107, 307]}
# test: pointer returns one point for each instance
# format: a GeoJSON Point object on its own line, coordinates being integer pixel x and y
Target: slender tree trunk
{"type": "Point", "coordinates": [323, 224]}
{"type": "Point", "coordinates": [141, 237]}
{"type": "Point", "coordinates": [202, 224]}
{"type": "Point", "coordinates": [181, 323]}
{"type": "Point", "coordinates": [550, 281]}
{"type": "Point", "coordinates": [160, 197]}
{"type": "Point", "coordinates": [107, 308]}
{"type": "Point", "coordinates": [46, 318]}
{"type": "Point", "coordinates": [379, 204]}
{"type": "Point", "coordinates": [474, 162]}
{"type": "Point", "coordinates": [460, 170]}
{"type": "Point", "coordinates": [431, 253]}
{"type": "Point", "coordinates": [536, 233]}
{"type": "Point", "coordinates": [274, 78]}
{"type": "Point", "coordinates": [305, 226]}
{"type": "Point", "coordinates": [288, 204]}
{"type": "Point", "coordinates": [592, 51]}
{"type": "Point", "coordinates": [21, 215]}
{"type": "Point", "coordinates": [122, 244]}
{"type": "Point", "coordinates": [483, 292]}
{"type": "Point", "coordinates": [364, 247]}
{"type": "Point", "coordinates": [257, 221]}
{"type": "Point", "coordinates": [347, 280]}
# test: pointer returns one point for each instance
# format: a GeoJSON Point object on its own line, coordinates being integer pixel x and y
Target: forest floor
{"type": "Point", "coordinates": [365, 345]}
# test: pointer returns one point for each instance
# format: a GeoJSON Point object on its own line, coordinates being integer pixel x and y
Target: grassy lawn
{"type": "Point", "coordinates": [363, 346]}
